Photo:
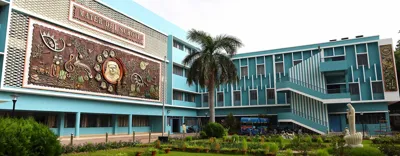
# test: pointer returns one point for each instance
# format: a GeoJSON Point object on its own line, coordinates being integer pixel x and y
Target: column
{"type": "Point", "coordinates": [347, 82]}
{"type": "Point", "coordinates": [387, 116]}
{"type": "Point", "coordinates": [183, 121]}
{"type": "Point", "coordinates": [61, 118]}
{"type": "Point", "coordinates": [130, 124]}
{"type": "Point", "coordinates": [77, 123]}
{"type": "Point", "coordinates": [115, 123]}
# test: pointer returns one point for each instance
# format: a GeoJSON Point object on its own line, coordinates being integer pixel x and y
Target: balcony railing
{"type": "Point", "coordinates": [312, 86]}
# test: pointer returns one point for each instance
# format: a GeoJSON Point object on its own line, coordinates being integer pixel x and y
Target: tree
{"type": "Point", "coordinates": [212, 66]}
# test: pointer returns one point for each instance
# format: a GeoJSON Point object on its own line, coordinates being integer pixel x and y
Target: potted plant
{"type": "Point", "coordinates": [206, 149]}
{"type": "Point", "coordinates": [153, 151]}
{"type": "Point", "coordinates": [167, 150]}
{"type": "Point", "coordinates": [139, 153]}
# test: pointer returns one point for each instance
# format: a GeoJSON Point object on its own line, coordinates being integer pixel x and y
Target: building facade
{"type": "Point", "coordinates": [88, 67]}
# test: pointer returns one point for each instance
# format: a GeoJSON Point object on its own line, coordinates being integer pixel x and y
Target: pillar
{"type": "Point", "coordinates": [61, 119]}
{"type": "Point", "coordinates": [387, 116]}
{"type": "Point", "coordinates": [130, 124]}
{"type": "Point", "coordinates": [183, 121]}
{"type": "Point", "coordinates": [77, 123]}
{"type": "Point", "coordinates": [114, 124]}
{"type": "Point", "coordinates": [347, 82]}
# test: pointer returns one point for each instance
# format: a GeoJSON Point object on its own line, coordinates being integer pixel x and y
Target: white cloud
{"type": "Point", "coordinates": [262, 24]}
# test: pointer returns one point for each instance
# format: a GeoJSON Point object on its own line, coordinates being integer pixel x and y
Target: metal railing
{"type": "Point", "coordinates": [312, 86]}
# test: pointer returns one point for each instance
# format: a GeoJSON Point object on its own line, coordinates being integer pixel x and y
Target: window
{"type": "Point", "coordinates": [297, 62]}
{"type": "Point", "coordinates": [236, 96]}
{"type": "Point", "coordinates": [104, 120]}
{"type": "Point", "coordinates": [188, 50]}
{"type": "Point", "coordinates": [354, 90]}
{"type": "Point", "coordinates": [178, 70]}
{"type": "Point", "coordinates": [69, 120]}
{"type": "Point", "coordinates": [89, 120]}
{"type": "Point", "coordinates": [339, 58]}
{"type": "Point", "coordinates": [220, 97]}
{"type": "Point", "coordinates": [377, 87]}
{"type": "Point", "coordinates": [140, 121]}
{"type": "Point", "coordinates": [279, 67]}
{"type": "Point", "coordinates": [205, 97]}
{"type": "Point", "coordinates": [253, 94]}
{"type": "Point", "coordinates": [271, 93]}
{"type": "Point", "coordinates": [190, 97]}
{"type": "Point", "coordinates": [260, 69]}
{"type": "Point", "coordinates": [178, 95]}
{"type": "Point", "coordinates": [178, 45]}
{"type": "Point", "coordinates": [333, 89]}
{"type": "Point", "coordinates": [362, 59]}
{"type": "Point", "coordinates": [190, 121]}
{"type": "Point", "coordinates": [369, 118]}
{"type": "Point", "coordinates": [123, 121]}
{"type": "Point", "coordinates": [243, 71]}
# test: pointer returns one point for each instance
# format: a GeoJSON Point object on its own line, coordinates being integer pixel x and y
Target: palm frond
{"type": "Point", "coordinates": [228, 43]}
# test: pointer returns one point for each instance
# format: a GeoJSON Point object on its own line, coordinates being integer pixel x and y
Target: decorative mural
{"type": "Point", "coordinates": [59, 59]}
{"type": "Point", "coordinates": [388, 68]}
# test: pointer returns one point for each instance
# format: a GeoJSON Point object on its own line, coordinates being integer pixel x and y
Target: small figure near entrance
{"type": "Point", "coordinates": [183, 128]}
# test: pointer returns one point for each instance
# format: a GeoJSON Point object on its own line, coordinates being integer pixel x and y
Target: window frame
{"type": "Point", "coordinates": [263, 69]}
{"type": "Point", "coordinates": [251, 94]}
{"type": "Point", "coordinates": [299, 61]}
{"type": "Point", "coordinates": [247, 71]}
{"type": "Point", "coordinates": [374, 89]}
{"type": "Point", "coordinates": [175, 94]}
{"type": "Point", "coordinates": [358, 60]}
{"type": "Point", "coordinates": [276, 67]}
{"type": "Point", "coordinates": [175, 69]}
{"type": "Point", "coordinates": [234, 95]}
{"type": "Point", "coordinates": [270, 91]}
{"type": "Point", "coordinates": [204, 95]}
{"type": "Point", "coordinates": [357, 90]}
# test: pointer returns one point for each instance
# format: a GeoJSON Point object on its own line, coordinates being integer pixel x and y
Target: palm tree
{"type": "Point", "coordinates": [212, 66]}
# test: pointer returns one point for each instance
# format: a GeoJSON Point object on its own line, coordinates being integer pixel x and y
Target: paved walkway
{"type": "Point", "coordinates": [142, 137]}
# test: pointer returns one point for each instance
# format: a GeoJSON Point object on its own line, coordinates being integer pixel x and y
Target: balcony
{"type": "Point", "coordinates": [313, 91]}
{"type": "Point", "coordinates": [333, 66]}
{"type": "Point", "coordinates": [179, 83]}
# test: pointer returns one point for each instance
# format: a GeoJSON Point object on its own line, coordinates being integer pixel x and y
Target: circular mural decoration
{"type": "Point", "coordinates": [112, 70]}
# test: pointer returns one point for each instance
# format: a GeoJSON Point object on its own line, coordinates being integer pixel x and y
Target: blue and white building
{"type": "Point", "coordinates": [307, 86]}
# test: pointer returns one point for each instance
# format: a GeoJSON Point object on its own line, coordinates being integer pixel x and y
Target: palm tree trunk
{"type": "Point", "coordinates": [211, 100]}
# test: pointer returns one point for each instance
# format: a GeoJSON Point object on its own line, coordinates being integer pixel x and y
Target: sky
{"type": "Point", "coordinates": [271, 24]}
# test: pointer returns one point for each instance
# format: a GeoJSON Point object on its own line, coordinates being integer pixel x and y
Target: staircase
{"type": "Point", "coordinates": [312, 91]}
{"type": "Point", "coordinates": [303, 120]}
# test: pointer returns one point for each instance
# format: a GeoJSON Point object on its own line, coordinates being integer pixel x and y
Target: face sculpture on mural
{"type": "Point", "coordinates": [112, 72]}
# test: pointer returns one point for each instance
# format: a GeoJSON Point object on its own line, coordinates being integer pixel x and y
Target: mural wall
{"type": "Point", "coordinates": [58, 59]}
{"type": "Point", "coordinates": [388, 68]}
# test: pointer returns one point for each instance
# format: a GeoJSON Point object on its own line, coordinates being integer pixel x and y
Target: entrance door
{"type": "Point", "coordinates": [175, 126]}
{"type": "Point", "coordinates": [335, 123]}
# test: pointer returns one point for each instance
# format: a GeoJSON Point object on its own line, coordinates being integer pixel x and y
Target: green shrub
{"type": "Point", "coordinates": [213, 129]}
{"type": "Point", "coordinates": [189, 138]}
{"type": "Point", "coordinates": [389, 148]}
{"type": "Point", "coordinates": [225, 138]}
{"type": "Point", "coordinates": [266, 149]}
{"type": "Point", "coordinates": [365, 151]}
{"type": "Point", "coordinates": [288, 152]}
{"type": "Point", "coordinates": [244, 145]}
{"type": "Point", "coordinates": [235, 138]}
{"type": "Point", "coordinates": [27, 137]}
{"type": "Point", "coordinates": [320, 141]}
{"type": "Point", "coordinates": [322, 152]}
{"type": "Point", "coordinates": [203, 135]}
{"type": "Point", "coordinates": [273, 148]}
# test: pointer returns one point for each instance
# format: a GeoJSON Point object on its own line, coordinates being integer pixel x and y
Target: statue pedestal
{"type": "Point", "coordinates": [354, 140]}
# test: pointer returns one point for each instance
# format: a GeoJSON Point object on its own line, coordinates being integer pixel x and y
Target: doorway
{"type": "Point", "coordinates": [335, 123]}
{"type": "Point", "coordinates": [175, 126]}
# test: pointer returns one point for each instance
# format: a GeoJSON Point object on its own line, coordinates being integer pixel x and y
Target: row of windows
{"type": "Point", "coordinates": [369, 118]}
{"type": "Point", "coordinates": [237, 97]}
{"type": "Point", "coordinates": [181, 96]}
{"type": "Point", "coordinates": [377, 87]}
{"type": "Point", "coordinates": [261, 69]}
{"type": "Point", "coordinates": [183, 47]}
{"type": "Point", "coordinates": [46, 118]}
{"type": "Point", "coordinates": [102, 120]}
{"type": "Point", "coordinates": [362, 59]}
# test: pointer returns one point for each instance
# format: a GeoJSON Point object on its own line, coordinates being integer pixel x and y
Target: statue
{"type": "Point", "coordinates": [352, 138]}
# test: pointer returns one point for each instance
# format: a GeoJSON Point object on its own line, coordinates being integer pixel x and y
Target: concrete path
{"type": "Point", "coordinates": [142, 137]}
